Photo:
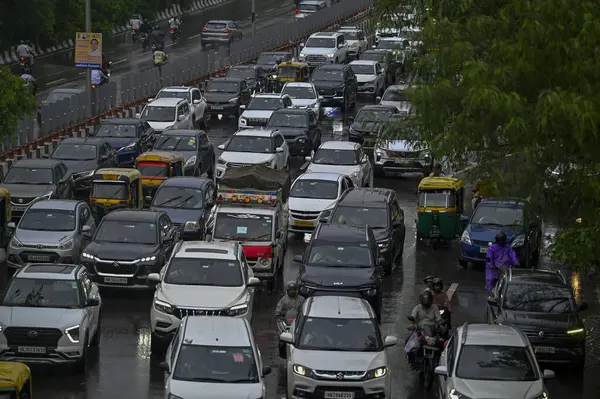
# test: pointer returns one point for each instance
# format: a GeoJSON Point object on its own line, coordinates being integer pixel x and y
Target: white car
{"type": "Point", "coordinates": [396, 95]}
{"type": "Point", "coordinates": [343, 157]}
{"type": "Point", "coordinates": [201, 279]}
{"type": "Point", "coordinates": [310, 195]}
{"type": "Point", "coordinates": [260, 109]}
{"type": "Point", "coordinates": [401, 156]}
{"type": "Point", "coordinates": [324, 48]}
{"type": "Point", "coordinates": [307, 8]}
{"type": "Point", "coordinates": [195, 99]}
{"type": "Point", "coordinates": [370, 77]}
{"type": "Point", "coordinates": [395, 45]}
{"type": "Point", "coordinates": [167, 112]}
{"type": "Point", "coordinates": [303, 95]}
{"type": "Point", "coordinates": [356, 39]}
{"type": "Point", "coordinates": [250, 147]}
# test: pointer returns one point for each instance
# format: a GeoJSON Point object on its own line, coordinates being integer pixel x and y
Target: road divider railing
{"type": "Point", "coordinates": [74, 116]}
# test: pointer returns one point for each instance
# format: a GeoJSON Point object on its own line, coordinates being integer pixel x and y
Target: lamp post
{"type": "Point", "coordinates": [88, 28]}
{"type": "Point", "coordinates": [253, 18]}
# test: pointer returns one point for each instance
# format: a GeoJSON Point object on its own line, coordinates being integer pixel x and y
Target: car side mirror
{"type": "Point", "coordinates": [441, 370]}
{"type": "Point", "coordinates": [492, 301]}
{"type": "Point", "coordinates": [302, 44]}
{"type": "Point", "coordinates": [389, 341]}
{"type": "Point", "coordinates": [11, 225]}
{"type": "Point", "coordinates": [340, 45]}
{"type": "Point", "coordinates": [165, 367]}
{"type": "Point", "coordinates": [242, 106]}
{"type": "Point", "coordinates": [196, 102]}
{"type": "Point", "coordinates": [378, 98]}
{"type": "Point", "coordinates": [297, 258]}
{"type": "Point", "coordinates": [266, 370]}
{"type": "Point", "coordinates": [221, 147]}
{"type": "Point", "coordinates": [153, 277]}
{"type": "Point", "coordinates": [549, 374]}
{"type": "Point", "coordinates": [86, 229]}
{"type": "Point", "coordinates": [286, 337]}
{"type": "Point", "coordinates": [308, 158]}
{"type": "Point", "coordinates": [583, 306]}
{"type": "Point", "coordinates": [253, 282]}
{"type": "Point", "coordinates": [181, 117]}
{"type": "Point", "coordinates": [138, 116]}
{"type": "Point", "coordinates": [93, 302]}
{"type": "Point", "coordinates": [279, 150]}
{"type": "Point", "coordinates": [350, 119]}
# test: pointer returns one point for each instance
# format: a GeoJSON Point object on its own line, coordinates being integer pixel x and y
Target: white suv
{"type": "Point", "coordinates": [201, 278]}
{"type": "Point", "coordinates": [324, 48]}
{"type": "Point", "coordinates": [195, 99]}
{"type": "Point", "coordinates": [260, 109]}
{"type": "Point", "coordinates": [303, 95]}
{"type": "Point", "coordinates": [167, 112]}
{"type": "Point", "coordinates": [356, 39]}
{"type": "Point", "coordinates": [335, 345]}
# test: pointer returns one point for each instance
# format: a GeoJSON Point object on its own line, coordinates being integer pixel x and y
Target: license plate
{"type": "Point", "coordinates": [544, 349]}
{"type": "Point", "coordinates": [400, 160]}
{"type": "Point", "coordinates": [483, 250]}
{"type": "Point", "coordinates": [339, 395]}
{"type": "Point", "coordinates": [31, 349]}
{"type": "Point", "coordinates": [216, 107]}
{"type": "Point", "coordinates": [115, 280]}
{"type": "Point", "coordinates": [19, 208]}
{"type": "Point", "coordinates": [37, 258]}
{"type": "Point", "coordinates": [303, 223]}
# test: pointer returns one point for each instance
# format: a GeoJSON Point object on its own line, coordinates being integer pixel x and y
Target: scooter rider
{"type": "Point", "coordinates": [426, 312]}
{"type": "Point", "coordinates": [499, 256]}
{"type": "Point", "coordinates": [291, 300]}
{"type": "Point", "coordinates": [25, 50]}
{"type": "Point", "coordinates": [98, 77]}
{"type": "Point", "coordinates": [29, 80]}
{"type": "Point", "coordinates": [159, 58]}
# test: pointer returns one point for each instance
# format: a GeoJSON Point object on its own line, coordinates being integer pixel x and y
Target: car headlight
{"type": "Point", "coordinates": [191, 161]}
{"type": "Point", "coordinates": [576, 331]}
{"type": "Point", "coordinates": [89, 256]}
{"type": "Point", "coordinates": [465, 238]}
{"type": "Point", "coordinates": [163, 306]}
{"type": "Point", "coordinates": [351, 130]}
{"type": "Point", "coordinates": [264, 261]}
{"type": "Point", "coordinates": [221, 162]}
{"type": "Point", "coordinates": [127, 148]}
{"type": "Point", "coordinates": [191, 225]}
{"type": "Point", "coordinates": [454, 394]}
{"type": "Point", "coordinates": [83, 175]}
{"type": "Point", "coordinates": [147, 259]}
{"type": "Point", "coordinates": [301, 140]}
{"type": "Point", "coordinates": [371, 292]}
{"type": "Point", "coordinates": [46, 196]}
{"type": "Point", "coordinates": [268, 163]}
{"type": "Point", "coordinates": [66, 245]}
{"type": "Point", "coordinates": [234, 100]}
{"type": "Point", "coordinates": [243, 122]}
{"type": "Point", "coordinates": [377, 373]}
{"type": "Point", "coordinates": [73, 334]}
{"type": "Point", "coordinates": [301, 370]}
{"type": "Point", "coordinates": [381, 153]}
{"type": "Point", "coordinates": [519, 241]}
{"type": "Point", "coordinates": [330, 55]}
{"type": "Point", "coordinates": [237, 310]}
{"type": "Point", "coordinates": [382, 245]}
{"type": "Point", "coordinates": [15, 243]}
{"type": "Point", "coordinates": [544, 395]}
{"type": "Point", "coordinates": [354, 175]}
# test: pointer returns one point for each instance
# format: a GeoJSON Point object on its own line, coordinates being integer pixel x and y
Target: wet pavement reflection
{"type": "Point", "coordinates": [123, 367]}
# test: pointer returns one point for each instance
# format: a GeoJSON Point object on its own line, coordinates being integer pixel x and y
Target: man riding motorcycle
{"type": "Point", "coordinates": [425, 315]}
{"type": "Point", "coordinates": [159, 58]}
{"type": "Point", "coordinates": [291, 300]}
{"type": "Point", "coordinates": [157, 36]}
{"type": "Point", "coordinates": [428, 281]}
{"type": "Point", "coordinates": [98, 77]}
{"type": "Point", "coordinates": [25, 51]}
{"type": "Point", "coordinates": [175, 26]}
{"type": "Point", "coordinates": [135, 23]}
{"type": "Point", "coordinates": [29, 80]}
{"type": "Point", "coordinates": [499, 257]}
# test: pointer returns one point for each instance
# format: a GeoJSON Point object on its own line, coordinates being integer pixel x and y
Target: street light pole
{"type": "Point", "coordinates": [253, 18]}
{"type": "Point", "coordinates": [88, 28]}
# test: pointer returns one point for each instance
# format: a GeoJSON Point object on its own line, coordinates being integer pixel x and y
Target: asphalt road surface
{"type": "Point", "coordinates": [123, 366]}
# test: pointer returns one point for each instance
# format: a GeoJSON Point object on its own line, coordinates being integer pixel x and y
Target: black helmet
{"type": "Point", "coordinates": [438, 281]}
{"type": "Point", "coordinates": [427, 280]}
{"type": "Point", "coordinates": [291, 288]}
{"type": "Point", "coordinates": [501, 238]}
{"type": "Point", "coordinates": [426, 298]}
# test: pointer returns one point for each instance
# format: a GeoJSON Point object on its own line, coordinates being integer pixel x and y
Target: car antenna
{"type": "Point", "coordinates": [338, 301]}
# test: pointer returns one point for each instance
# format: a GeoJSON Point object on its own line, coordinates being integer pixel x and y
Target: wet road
{"type": "Point", "coordinates": [123, 366]}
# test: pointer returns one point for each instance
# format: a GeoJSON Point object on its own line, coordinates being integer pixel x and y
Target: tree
{"type": "Point", "coordinates": [16, 102]}
{"type": "Point", "coordinates": [519, 78]}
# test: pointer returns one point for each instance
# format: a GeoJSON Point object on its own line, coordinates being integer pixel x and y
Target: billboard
{"type": "Point", "coordinates": [88, 50]}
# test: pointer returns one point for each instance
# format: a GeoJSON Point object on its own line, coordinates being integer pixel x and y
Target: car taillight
{"type": "Point", "coordinates": [22, 59]}
{"type": "Point", "coordinates": [297, 12]}
{"type": "Point", "coordinates": [204, 29]}
{"type": "Point", "coordinates": [226, 30]}
{"type": "Point", "coordinates": [172, 30]}
{"type": "Point", "coordinates": [93, 86]}
{"type": "Point", "coordinates": [133, 31]}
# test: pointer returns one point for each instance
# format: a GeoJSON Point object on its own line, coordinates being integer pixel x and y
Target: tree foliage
{"type": "Point", "coordinates": [15, 102]}
{"type": "Point", "coordinates": [514, 87]}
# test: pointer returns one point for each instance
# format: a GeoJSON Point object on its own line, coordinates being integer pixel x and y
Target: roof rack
{"type": "Point", "coordinates": [463, 339]}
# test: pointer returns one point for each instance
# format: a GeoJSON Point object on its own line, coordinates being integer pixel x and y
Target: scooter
{"type": "Point", "coordinates": [144, 41]}
{"type": "Point", "coordinates": [174, 34]}
{"type": "Point", "coordinates": [283, 325]}
{"type": "Point", "coordinates": [24, 63]}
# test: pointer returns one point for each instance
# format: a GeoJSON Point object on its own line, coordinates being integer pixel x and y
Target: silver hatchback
{"type": "Point", "coordinates": [51, 231]}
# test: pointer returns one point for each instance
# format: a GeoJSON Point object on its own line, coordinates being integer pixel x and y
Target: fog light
{"type": "Point", "coordinates": [372, 292]}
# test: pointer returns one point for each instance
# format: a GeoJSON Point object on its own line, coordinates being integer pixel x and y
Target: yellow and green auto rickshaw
{"type": "Point", "coordinates": [290, 71]}
{"type": "Point", "coordinates": [15, 381]}
{"type": "Point", "coordinates": [115, 188]}
{"type": "Point", "coordinates": [156, 167]}
{"type": "Point", "coordinates": [440, 209]}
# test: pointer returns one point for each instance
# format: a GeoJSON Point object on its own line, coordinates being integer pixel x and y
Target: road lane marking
{"type": "Point", "coordinates": [451, 290]}
{"type": "Point", "coordinates": [284, 5]}
{"type": "Point", "coordinates": [194, 36]}
{"type": "Point", "coordinates": [56, 82]}
{"type": "Point", "coordinates": [120, 61]}
{"type": "Point", "coordinates": [269, 10]}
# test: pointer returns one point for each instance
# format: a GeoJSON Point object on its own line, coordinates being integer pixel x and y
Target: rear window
{"type": "Point", "coordinates": [308, 7]}
{"type": "Point", "coordinates": [216, 26]}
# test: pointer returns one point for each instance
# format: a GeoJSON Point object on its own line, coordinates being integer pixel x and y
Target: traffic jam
{"type": "Point", "coordinates": [259, 236]}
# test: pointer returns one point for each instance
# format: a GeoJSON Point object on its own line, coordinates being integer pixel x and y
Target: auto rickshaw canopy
{"type": "Point", "coordinates": [117, 174]}
{"type": "Point", "coordinates": [13, 376]}
{"type": "Point", "coordinates": [160, 156]}
{"type": "Point", "coordinates": [293, 71]}
{"type": "Point", "coordinates": [441, 183]}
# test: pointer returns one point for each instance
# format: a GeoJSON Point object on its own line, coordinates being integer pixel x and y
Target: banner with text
{"type": "Point", "coordinates": [88, 50]}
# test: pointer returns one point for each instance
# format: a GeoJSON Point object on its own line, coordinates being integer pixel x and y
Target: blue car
{"type": "Point", "coordinates": [128, 136]}
{"type": "Point", "coordinates": [515, 218]}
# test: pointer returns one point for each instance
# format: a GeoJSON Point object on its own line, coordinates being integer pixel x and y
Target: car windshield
{"type": "Point", "coordinates": [373, 56]}
{"type": "Point", "coordinates": [390, 45]}
{"type": "Point", "coordinates": [176, 143]}
{"type": "Point", "coordinates": [395, 95]}
{"type": "Point", "coordinates": [328, 75]}
{"type": "Point", "coordinates": [288, 120]}
{"type": "Point", "coordinates": [158, 114]}
{"type": "Point", "coordinates": [326, 156]}
{"type": "Point", "coordinates": [244, 227]}
{"type": "Point", "coordinates": [265, 103]}
{"type": "Point", "coordinates": [318, 189]}
{"type": "Point", "coordinates": [196, 271]}
{"type": "Point", "coordinates": [173, 94]}
{"type": "Point", "coordinates": [153, 169]}
{"type": "Point", "coordinates": [308, 7]}
{"type": "Point", "coordinates": [120, 131]}
{"type": "Point", "coordinates": [373, 115]}
{"type": "Point", "coordinates": [436, 199]}
{"type": "Point", "coordinates": [377, 218]}
{"type": "Point", "coordinates": [339, 255]}
{"type": "Point", "coordinates": [498, 216]}
{"type": "Point", "coordinates": [363, 69]}
{"type": "Point", "coordinates": [495, 363]}
{"type": "Point", "coordinates": [126, 232]}
{"type": "Point", "coordinates": [332, 334]}
{"type": "Point", "coordinates": [18, 175]}
{"type": "Point", "coordinates": [178, 197]}
{"type": "Point", "coordinates": [240, 143]}
{"type": "Point", "coordinates": [75, 152]}
{"type": "Point", "coordinates": [300, 92]}
{"type": "Point", "coordinates": [320, 42]}
{"type": "Point", "coordinates": [110, 190]}
{"type": "Point", "coordinates": [48, 220]}
{"type": "Point", "coordinates": [350, 35]}
{"type": "Point", "coordinates": [43, 293]}
{"type": "Point", "coordinates": [220, 86]}
{"type": "Point", "coordinates": [244, 73]}
{"type": "Point", "coordinates": [216, 364]}
{"type": "Point", "coordinates": [269, 59]}
{"type": "Point", "coordinates": [538, 298]}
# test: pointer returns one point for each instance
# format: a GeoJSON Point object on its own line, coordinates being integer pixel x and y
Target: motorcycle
{"type": "Point", "coordinates": [144, 41]}
{"type": "Point", "coordinates": [134, 35]}
{"type": "Point", "coordinates": [174, 34]}
{"type": "Point", "coordinates": [156, 47]}
{"type": "Point", "coordinates": [428, 354]}
{"type": "Point", "coordinates": [24, 62]}
{"type": "Point", "coordinates": [283, 325]}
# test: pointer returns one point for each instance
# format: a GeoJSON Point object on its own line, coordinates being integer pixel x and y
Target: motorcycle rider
{"type": "Point", "coordinates": [135, 22]}
{"type": "Point", "coordinates": [291, 300]}
{"type": "Point", "coordinates": [175, 23]}
{"type": "Point", "coordinates": [440, 298]}
{"type": "Point", "coordinates": [425, 314]}
{"type": "Point", "coordinates": [159, 58]}
{"type": "Point", "coordinates": [98, 77]}
{"type": "Point", "coordinates": [437, 171]}
{"type": "Point", "coordinates": [145, 27]}
{"type": "Point", "coordinates": [26, 51]}
{"type": "Point", "coordinates": [29, 79]}
{"type": "Point", "coordinates": [499, 256]}
{"type": "Point", "coordinates": [157, 36]}
{"type": "Point", "coordinates": [428, 281]}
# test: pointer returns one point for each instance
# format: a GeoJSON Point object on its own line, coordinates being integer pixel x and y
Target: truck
{"type": "Point", "coordinates": [251, 208]}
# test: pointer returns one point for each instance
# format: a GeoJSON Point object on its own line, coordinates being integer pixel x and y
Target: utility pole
{"type": "Point", "coordinates": [253, 18]}
{"type": "Point", "coordinates": [88, 28]}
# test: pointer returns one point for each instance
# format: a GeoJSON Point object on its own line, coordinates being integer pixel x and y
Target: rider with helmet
{"type": "Point", "coordinates": [428, 281]}
{"type": "Point", "coordinates": [291, 300]}
{"type": "Point", "coordinates": [29, 79]}
{"type": "Point", "coordinates": [426, 312]}
{"type": "Point", "coordinates": [26, 51]}
{"type": "Point", "coordinates": [499, 256]}
{"type": "Point", "coordinates": [437, 171]}
{"type": "Point", "coordinates": [157, 36]}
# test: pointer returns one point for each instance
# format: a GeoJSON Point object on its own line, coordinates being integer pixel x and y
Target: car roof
{"type": "Point", "coordinates": [392, 39]}
{"type": "Point", "coordinates": [491, 335]}
{"type": "Point", "coordinates": [129, 215]}
{"type": "Point", "coordinates": [121, 121]}
{"type": "Point", "coordinates": [256, 132]}
{"type": "Point", "coordinates": [54, 271]}
{"type": "Point", "coordinates": [339, 307]}
{"type": "Point", "coordinates": [299, 84]}
{"type": "Point", "coordinates": [177, 88]}
{"type": "Point", "coordinates": [324, 34]}
{"type": "Point", "coordinates": [339, 145]}
{"type": "Point", "coordinates": [267, 95]}
{"type": "Point", "coordinates": [39, 162]}
{"type": "Point", "coordinates": [56, 204]}
{"type": "Point", "coordinates": [528, 276]}
{"type": "Point", "coordinates": [83, 140]}
{"type": "Point", "coordinates": [216, 331]}
{"type": "Point", "coordinates": [327, 176]}
{"type": "Point", "coordinates": [378, 107]}
{"type": "Point", "coordinates": [399, 87]}
{"type": "Point", "coordinates": [182, 132]}
{"type": "Point", "coordinates": [504, 202]}
{"type": "Point", "coordinates": [206, 250]}
{"type": "Point", "coordinates": [361, 196]}
{"type": "Point", "coordinates": [165, 102]}
{"type": "Point", "coordinates": [227, 79]}
{"type": "Point", "coordinates": [186, 182]}
{"type": "Point", "coordinates": [219, 21]}
{"type": "Point", "coordinates": [341, 233]}
{"type": "Point", "coordinates": [331, 66]}
{"type": "Point", "coordinates": [364, 62]}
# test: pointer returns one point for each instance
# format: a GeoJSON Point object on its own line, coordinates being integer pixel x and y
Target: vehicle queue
{"type": "Point", "coordinates": [204, 244]}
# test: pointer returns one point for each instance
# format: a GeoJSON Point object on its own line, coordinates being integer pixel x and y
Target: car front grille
{"type": "Point", "coordinates": [32, 336]}
{"type": "Point", "coordinates": [237, 165]}
{"type": "Point", "coordinates": [22, 201]}
{"type": "Point", "coordinates": [257, 121]}
{"type": "Point", "coordinates": [403, 154]}
{"type": "Point", "coordinates": [481, 243]}
{"type": "Point", "coordinates": [533, 333]}
{"type": "Point", "coordinates": [340, 375]}
{"type": "Point", "coordinates": [115, 267]}
{"type": "Point", "coordinates": [304, 215]}
{"type": "Point", "coordinates": [316, 59]}
{"type": "Point", "coordinates": [36, 257]}
{"type": "Point", "coordinates": [180, 313]}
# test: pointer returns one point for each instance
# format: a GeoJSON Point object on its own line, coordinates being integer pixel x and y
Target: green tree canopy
{"type": "Point", "coordinates": [15, 103]}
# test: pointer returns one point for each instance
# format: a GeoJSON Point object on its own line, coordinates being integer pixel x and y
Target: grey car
{"type": "Point", "coordinates": [53, 231]}
{"type": "Point", "coordinates": [220, 32]}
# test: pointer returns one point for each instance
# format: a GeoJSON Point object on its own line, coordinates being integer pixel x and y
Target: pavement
{"type": "Point", "coordinates": [123, 366]}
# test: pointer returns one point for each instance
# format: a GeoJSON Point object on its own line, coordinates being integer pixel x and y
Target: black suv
{"type": "Point", "coordinates": [542, 305]}
{"type": "Point", "coordinates": [368, 123]}
{"type": "Point", "coordinates": [254, 76]}
{"type": "Point", "coordinates": [342, 260]}
{"type": "Point", "coordinates": [194, 145]}
{"type": "Point", "coordinates": [300, 127]}
{"type": "Point", "coordinates": [337, 84]}
{"type": "Point", "coordinates": [225, 95]}
{"type": "Point", "coordinates": [378, 208]}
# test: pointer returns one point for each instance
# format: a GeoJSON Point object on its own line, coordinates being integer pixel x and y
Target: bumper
{"type": "Point", "coordinates": [400, 166]}
{"type": "Point", "coordinates": [126, 158]}
{"type": "Point", "coordinates": [165, 325]}
{"type": "Point", "coordinates": [304, 387]}
{"type": "Point", "coordinates": [222, 109]}
{"type": "Point", "coordinates": [64, 352]}
{"type": "Point", "coordinates": [559, 352]}
{"type": "Point", "coordinates": [476, 253]}
{"type": "Point", "coordinates": [307, 224]}
{"type": "Point", "coordinates": [332, 100]}
{"type": "Point", "coordinates": [215, 39]}
{"type": "Point", "coordinates": [137, 280]}
{"type": "Point", "coordinates": [221, 170]}
{"type": "Point", "coordinates": [366, 89]}
{"type": "Point", "coordinates": [299, 146]}
{"type": "Point", "coordinates": [17, 258]}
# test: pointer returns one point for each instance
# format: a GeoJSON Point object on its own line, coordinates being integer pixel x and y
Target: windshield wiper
{"type": "Point", "coordinates": [257, 237]}
{"type": "Point", "coordinates": [168, 201]}
{"type": "Point", "coordinates": [241, 380]}
{"type": "Point", "coordinates": [559, 301]}
{"type": "Point", "coordinates": [183, 201]}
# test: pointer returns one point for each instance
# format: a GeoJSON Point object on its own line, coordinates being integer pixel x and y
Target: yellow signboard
{"type": "Point", "coordinates": [88, 50]}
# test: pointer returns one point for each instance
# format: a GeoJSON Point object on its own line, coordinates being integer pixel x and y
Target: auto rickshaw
{"type": "Point", "coordinates": [115, 188]}
{"type": "Point", "coordinates": [15, 380]}
{"type": "Point", "coordinates": [156, 167]}
{"type": "Point", "coordinates": [440, 209]}
{"type": "Point", "coordinates": [288, 72]}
